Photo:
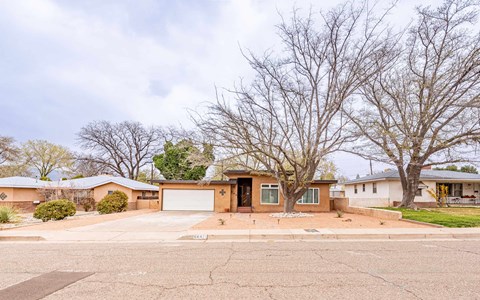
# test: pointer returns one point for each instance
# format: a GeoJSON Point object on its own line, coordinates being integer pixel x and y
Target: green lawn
{"type": "Point", "coordinates": [448, 217]}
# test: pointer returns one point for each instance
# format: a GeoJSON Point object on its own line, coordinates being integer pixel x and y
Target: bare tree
{"type": "Point", "coordinates": [10, 159]}
{"type": "Point", "coordinates": [8, 150]}
{"type": "Point", "coordinates": [15, 169]}
{"type": "Point", "coordinates": [54, 191]}
{"type": "Point", "coordinates": [86, 165]}
{"type": "Point", "coordinates": [423, 109]}
{"type": "Point", "coordinates": [124, 148]}
{"type": "Point", "coordinates": [288, 118]}
{"type": "Point", "coordinates": [46, 157]}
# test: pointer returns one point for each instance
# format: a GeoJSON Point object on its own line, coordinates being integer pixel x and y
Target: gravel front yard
{"type": "Point", "coordinates": [318, 220]}
{"type": "Point", "coordinates": [80, 219]}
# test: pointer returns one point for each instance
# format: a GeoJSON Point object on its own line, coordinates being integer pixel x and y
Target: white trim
{"type": "Point", "coordinates": [318, 194]}
{"type": "Point", "coordinates": [269, 187]}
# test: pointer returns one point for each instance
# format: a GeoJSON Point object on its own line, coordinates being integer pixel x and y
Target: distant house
{"type": "Point", "coordinates": [384, 189]}
{"type": "Point", "coordinates": [244, 191]}
{"type": "Point", "coordinates": [337, 191]}
{"type": "Point", "coordinates": [26, 193]}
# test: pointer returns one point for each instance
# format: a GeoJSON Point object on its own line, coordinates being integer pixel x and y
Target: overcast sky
{"type": "Point", "coordinates": [66, 63]}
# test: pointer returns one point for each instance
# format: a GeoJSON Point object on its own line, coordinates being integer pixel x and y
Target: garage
{"type": "Point", "coordinates": [188, 199]}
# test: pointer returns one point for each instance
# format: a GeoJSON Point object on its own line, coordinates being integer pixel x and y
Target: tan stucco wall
{"type": "Point", "coordinates": [148, 204]}
{"type": "Point", "coordinates": [21, 198]}
{"type": "Point", "coordinates": [101, 191]}
{"type": "Point", "coordinates": [9, 193]}
{"type": "Point", "coordinates": [20, 195]}
{"type": "Point", "coordinates": [257, 181]}
{"type": "Point", "coordinates": [222, 203]}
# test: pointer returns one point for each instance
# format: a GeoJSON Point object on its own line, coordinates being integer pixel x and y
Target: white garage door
{"type": "Point", "coordinates": [201, 200]}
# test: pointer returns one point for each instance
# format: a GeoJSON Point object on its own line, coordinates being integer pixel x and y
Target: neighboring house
{"type": "Point", "coordinates": [337, 191]}
{"type": "Point", "coordinates": [244, 191]}
{"type": "Point", "coordinates": [26, 193]}
{"type": "Point", "coordinates": [384, 189]}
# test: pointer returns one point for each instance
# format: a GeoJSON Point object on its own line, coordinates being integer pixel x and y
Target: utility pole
{"type": "Point", "coordinates": [151, 173]}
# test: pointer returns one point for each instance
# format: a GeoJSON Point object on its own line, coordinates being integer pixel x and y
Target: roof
{"type": "Point", "coordinates": [260, 172]}
{"type": "Point", "coordinates": [435, 175]}
{"type": "Point", "coordinates": [22, 182]}
{"type": "Point", "coordinates": [80, 183]}
{"type": "Point", "coordinates": [199, 182]}
{"type": "Point", "coordinates": [325, 181]}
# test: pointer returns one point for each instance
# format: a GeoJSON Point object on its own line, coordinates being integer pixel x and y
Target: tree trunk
{"type": "Point", "coordinates": [410, 187]}
{"type": "Point", "coordinates": [288, 204]}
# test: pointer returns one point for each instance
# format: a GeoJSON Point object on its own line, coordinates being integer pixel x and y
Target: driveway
{"type": "Point", "coordinates": [163, 221]}
{"type": "Point", "coordinates": [157, 226]}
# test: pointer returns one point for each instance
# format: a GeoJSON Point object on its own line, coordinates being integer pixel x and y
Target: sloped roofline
{"type": "Point", "coordinates": [74, 183]}
{"type": "Point", "coordinates": [432, 175]}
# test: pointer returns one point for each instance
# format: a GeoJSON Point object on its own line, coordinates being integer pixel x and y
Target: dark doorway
{"type": "Point", "coordinates": [244, 193]}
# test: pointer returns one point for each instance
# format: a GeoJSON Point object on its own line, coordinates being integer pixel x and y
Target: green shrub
{"type": "Point", "coordinates": [115, 202]}
{"type": "Point", "coordinates": [55, 210]}
{"type": "Point", "coordinates": [88, 204]}
{"type": "Point", "coordinates": [8, 214]}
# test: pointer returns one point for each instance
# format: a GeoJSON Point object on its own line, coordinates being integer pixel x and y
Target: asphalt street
{"type": "Point", "coordinates": [423, 269]}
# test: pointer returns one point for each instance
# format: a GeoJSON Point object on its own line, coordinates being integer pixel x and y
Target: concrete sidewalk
{"type": "Point", "coordinates": [242, 235]}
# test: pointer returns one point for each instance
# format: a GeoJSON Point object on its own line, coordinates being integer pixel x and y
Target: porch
{"type": "Point", "coordinates": [460, 193]}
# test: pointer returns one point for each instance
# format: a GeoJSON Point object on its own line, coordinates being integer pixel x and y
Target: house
{"type": "Point", "coordinates": [243, 191]}
{"type": "Point", "coordinates": [384, 189]}
{"type": "Point", "coordinates": [337, 191]}
{"type": "Point", "coordinates": [26, 193]}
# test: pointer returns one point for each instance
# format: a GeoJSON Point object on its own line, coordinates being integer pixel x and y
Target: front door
{"type": "Point", "coordinates": [244, 192]}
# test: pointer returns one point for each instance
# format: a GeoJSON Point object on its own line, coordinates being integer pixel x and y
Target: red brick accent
{"type": "Point", "coordinates": [23, 206]}
{"type": "Point", "coordinates": [132, 206]}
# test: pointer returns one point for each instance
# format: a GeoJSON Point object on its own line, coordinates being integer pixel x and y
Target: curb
{"type": "Point", "coordinates": [14, 238]}
{"type": "Point", "coordinates": [349, 236]}
{"type": "Point", "coordinates": [422, 223]}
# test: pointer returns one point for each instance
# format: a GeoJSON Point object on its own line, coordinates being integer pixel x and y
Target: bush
{"type": "Point", "coordinates": [339, 213]}
{"type": "Point", "coordinates": [55, 210]}
{"type": "Point", "coordinates": [115, 202]}
{"type": "Point", "coordinates": [8, 214]}
{"type": "Point", "coordinates": [88, 204]}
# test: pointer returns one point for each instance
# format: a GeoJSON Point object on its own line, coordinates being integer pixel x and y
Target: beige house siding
{"type": "Point", "coordinates": [368, 198]}
{"type": "Point", "coordinates": [388, 193]}
{"type": "Point", "coordinates": [100, 192]}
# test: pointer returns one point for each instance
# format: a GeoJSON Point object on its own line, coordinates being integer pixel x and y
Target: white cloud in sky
{"type": "Point", "coordinates": [66, 63]}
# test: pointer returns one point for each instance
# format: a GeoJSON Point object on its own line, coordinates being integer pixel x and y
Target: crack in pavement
{"type": "Point", "coordinates": [232, 252]}
{"type": "Point", "coordinates": [377, 276]}
{"type": "Point", "coordinates": [456, 250]}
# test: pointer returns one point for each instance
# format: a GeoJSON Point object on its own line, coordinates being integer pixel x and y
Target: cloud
{"type": "Point", "coordinates": [66, 63]}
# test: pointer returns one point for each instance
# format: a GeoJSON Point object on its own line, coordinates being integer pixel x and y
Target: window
{"type": "Point", "coordinates": [363, 187]}
{"type": "Point", "coordinates": [355, 190]}
{"type": "Point", "coordinates": [457, 189]}
{"type": "Point", "coordinates": [418, 192]}
{"type": "Point", "coordinates": [269, 194]}
{"type": "Point", "coordinates": [310, 197]}
{"type": "Point", "coordinates": [110, 192]}
{"type": "Point", "coordinates": [374, 187]}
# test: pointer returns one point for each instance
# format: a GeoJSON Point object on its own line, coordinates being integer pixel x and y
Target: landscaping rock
{"type": "Point", "coordinates": [291, 215]}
